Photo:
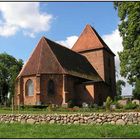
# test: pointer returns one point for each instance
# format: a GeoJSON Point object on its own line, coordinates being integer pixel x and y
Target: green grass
{"type": "Point", "coordinates": [7, 110]}
{"type": "Point", "coordinates": [68, 131]}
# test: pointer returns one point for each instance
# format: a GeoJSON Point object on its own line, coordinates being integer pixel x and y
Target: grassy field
{"type": "Point", "coordinates": [59, 110]}
{"type": "Point", "coordinates": [46, 111]}
{"type": "Point", "coordinates": [68, 131]}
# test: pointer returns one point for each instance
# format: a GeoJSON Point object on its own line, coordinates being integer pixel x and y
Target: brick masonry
{"type": "Point", "coordinates": [103, 62]}
{"type": "Point", "coordinates": [68, 86]}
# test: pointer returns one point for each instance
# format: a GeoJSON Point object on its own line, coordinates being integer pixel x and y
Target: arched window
{"type": "Point", "coordinates": [29, 88]}
{"type": "Point", "coordinates": [50, 87]}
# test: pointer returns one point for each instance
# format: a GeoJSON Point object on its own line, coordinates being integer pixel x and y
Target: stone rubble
{"type": "Point", "coordinates": [126, 118]}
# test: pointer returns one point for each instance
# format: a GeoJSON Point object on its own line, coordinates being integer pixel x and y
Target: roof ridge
{"type": "Point", "coordinates": [94, 35]}
{"type": "Point", "coordinates": [92, 30]}
{"type": "Point", "coordinates": [77, 39]}
{"type": "Point", "coordinates": [69, 51]}
{"type": "Point", "coordinates": [53, 53]}
{"type": "Point", "coordinates": [102, 42]}
{"type": "Point", "coordinates": [65, 47]}
{"type": "Point", "coordinates": [24, 66]}
{"type": "Point", "coordinates": [40, 56]}
{"type": "Point", "coordinates": [49, 57]}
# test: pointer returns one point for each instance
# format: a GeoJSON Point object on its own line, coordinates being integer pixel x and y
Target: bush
{"type": "Point", "coordinates": [50, 108]}
{"type": "Point", "coordinates": [93, 105]}
{"type": "Point", "coordinates": [130, 105]}
{"type": "Point", "coordinates": [108, 103]}
{"type": "Point", "coordinates": [71, 103]}
{"type": "Point", "coordinates": [119, 106]}
{"type": "Point", "coordinates": [85, 105]}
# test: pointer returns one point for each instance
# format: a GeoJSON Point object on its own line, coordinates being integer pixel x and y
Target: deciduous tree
{"type": "Point", "coordinates": [119, 85]}
{"type": "Point", "coordinates": [129, 27]}
{"type": "Point", "coordinates": [9, 69]}
{"type": "Point", "coordinates": [136, 91]}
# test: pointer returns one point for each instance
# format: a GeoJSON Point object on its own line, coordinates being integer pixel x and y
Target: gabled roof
{"type": "Point", "coordinates": [42, 60]}
{"type": "Point", "coordinates": [90, 40]}
{"type": "Point", "coordinates": [50, 57]}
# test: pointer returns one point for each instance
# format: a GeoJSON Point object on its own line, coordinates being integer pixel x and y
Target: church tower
{"type": "Point", "coordinates": [91, 45]}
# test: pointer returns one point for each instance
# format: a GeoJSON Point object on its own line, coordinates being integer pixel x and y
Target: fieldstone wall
{"type": "Point", "coordinates": [93, 118]}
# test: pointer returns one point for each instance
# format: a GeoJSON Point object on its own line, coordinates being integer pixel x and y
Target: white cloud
{"type": "Point", "coordinates": [25, 16]}
{"type": "Point", "coordinates": [114, 41]}
{"type": "Point", "coordinates": [7, 30]}
{"type": "Point", "coordinates": [69, 42]}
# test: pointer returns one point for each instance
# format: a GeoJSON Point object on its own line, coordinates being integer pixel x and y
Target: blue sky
{"type": "Point", "coordinates": [69, 18]}
{"type": "Point", "coordinates": [23, 24]}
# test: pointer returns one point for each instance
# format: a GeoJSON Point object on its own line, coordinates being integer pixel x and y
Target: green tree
{"type": "Point", "coordinates": [9, 69]}
{"type": "Point", "coordinates": [3, 82]}
{"type": "Point", "coordinates": [129, 27]}
{"type": "Point", "coordinates": [119, 85]}
{"type": "Point", "coordinates": [108, 103]}
{"type": "Point", "coordinates": [136, 90]}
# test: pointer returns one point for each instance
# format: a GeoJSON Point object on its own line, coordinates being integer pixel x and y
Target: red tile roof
{"type": "Point", "coordinates": [89, 40]}
{"type": "Point", "coordinates": [51, 58]}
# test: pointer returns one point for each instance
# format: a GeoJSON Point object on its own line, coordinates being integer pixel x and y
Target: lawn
{"type": "Point", "coordinates": [68, 131]}
{"type": "Point", "coordinates": [8, 110]}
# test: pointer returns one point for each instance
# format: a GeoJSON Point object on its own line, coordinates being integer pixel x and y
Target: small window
{"type": "Point", "coordinates": [29, 88]}
{"type": "Point", "coordinates": [50, 87]}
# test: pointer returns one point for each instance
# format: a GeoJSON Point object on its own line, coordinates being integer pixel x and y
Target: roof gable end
{"type": "Point", "coordinates": [89, 40]}
{"type": "Point", "coordinates": [41, 61]}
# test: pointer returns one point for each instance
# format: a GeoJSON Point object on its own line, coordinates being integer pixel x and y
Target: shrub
{"type": "Point", "coordinates": [85, 105]}
{"type": "Point", "coordinates": [50, 108]}
{"type": "Point", "coordinates": [93, 105]}
{"type": "Point", "coordinates": [130, 105]}
{"type": "Point", "coordinates": [119, 106]}
{"type": "Point", "coordinates": [108, 103]}
{"type": "Point", "coordinates": [71, 104]}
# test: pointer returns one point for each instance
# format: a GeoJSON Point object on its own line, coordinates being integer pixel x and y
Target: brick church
{"type": "Point", "coordinates": [55, 74]}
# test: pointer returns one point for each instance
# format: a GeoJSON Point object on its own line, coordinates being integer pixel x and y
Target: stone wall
{"type": "Point", "coordinates": [93, 118]}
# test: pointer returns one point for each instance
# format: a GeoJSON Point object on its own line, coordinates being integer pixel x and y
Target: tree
{"type": "Point", "coordinates": [119, 85]}
{"type": "Point", "coordinates": [129, 27]}
{"type": "Point", "coordinates": [108, 103]}
{"type": "Point", "coordinates": [9, 69]}
{"type": "Point", "coordinates": [3, 82]}
{"type": "Point", "coordinates": [136, 90]}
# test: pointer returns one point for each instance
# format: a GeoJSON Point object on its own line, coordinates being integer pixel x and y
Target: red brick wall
{"type": "Point", "coordinates": [40, 89]}
{"type": "Point", "coordinates": [103, 62]}
{"type": "Point", "coordinates": [102, 91]}
{"type": "Point", "coordinates": [57, 98]}
{"type": "Point", "coordinates": [70, 83]}
{"type": "Point", "coordinates": [96, 58]}
{"type": "Point", "coordinates": [29, 100]}
{"type": "Point", "coordinates": [110, 72]}
{"type": "Point", "coordinates": [84, 93]}
{"type": "Point", "coordinates": [18, 98]}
